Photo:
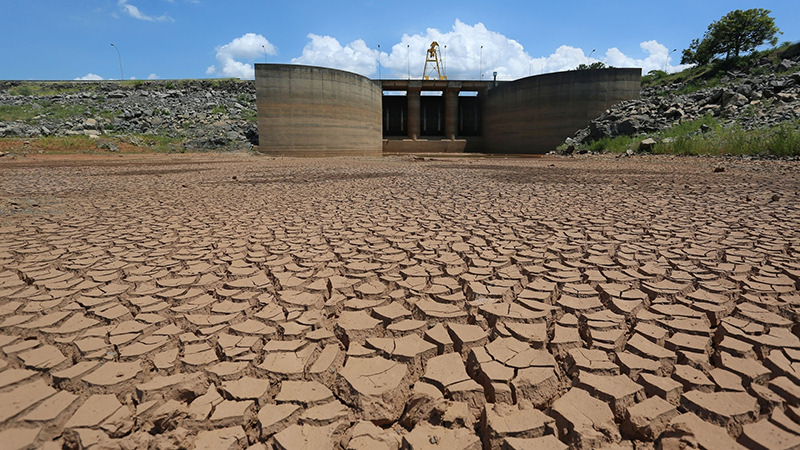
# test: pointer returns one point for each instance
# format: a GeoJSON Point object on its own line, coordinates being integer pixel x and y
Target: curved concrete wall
{"type": "Point", "coordinates": [316, 111]}
{"type": "Point", "coordinates": [536, 114]}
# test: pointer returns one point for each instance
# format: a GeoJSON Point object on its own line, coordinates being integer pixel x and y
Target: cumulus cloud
{"type": "Point", "coordinates": [465, 59]}
{"type": "Point", "coordinates": [90, 77]}
{"type": "Point", "coordinates": [134, 12]}
{"type": "Point", "coordinates": [326, 51]}
{"type": "Point", "coordinates": [658, 58]}
{"type": "Point", "coordinates": [152, 76]}
{"type": "Point", "coordinates": [468, 52]}
{"type": "Point", "coordinates": [234, 58]}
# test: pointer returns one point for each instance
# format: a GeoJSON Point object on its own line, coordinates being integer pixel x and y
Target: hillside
{"type": "Point", "coordinates": [747, 106]}
{"type": "Point", "coordinates": [162, 114]}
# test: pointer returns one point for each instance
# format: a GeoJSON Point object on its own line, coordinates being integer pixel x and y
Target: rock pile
{"type": "Point", "coordinates": [750, 102]}
{"type": "Point", "coordinates": [200, 114]}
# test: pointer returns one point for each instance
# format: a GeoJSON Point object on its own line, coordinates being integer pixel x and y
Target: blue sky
{"type": "Point", "coordinates": [171, 39]}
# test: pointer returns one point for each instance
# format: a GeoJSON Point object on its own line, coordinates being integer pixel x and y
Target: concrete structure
{"type": "Point", "coordinates": [443, 122]}
{"type": "Point", "coordinates": [536, 114]}
{"type": "Point", "coordinates": [306, 110]}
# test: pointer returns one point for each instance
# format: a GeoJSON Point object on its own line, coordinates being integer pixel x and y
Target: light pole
{"type": "Point", "coordinates": [591, 53]}
{"type": "Point", "coordinates": [666, 61]}
{"type": "Point", "coordinates": [379, 62]}
{"type": "Point", "coordinates": [408, 59]}
{"type": "Point", "coordinates": [445, 60]}
{"type": "Point", "coordinates": [265, 53]}
{"type": "Point", "coordinates": [481, 66]}
{"type": "Point", "coordinates": [121, 76]}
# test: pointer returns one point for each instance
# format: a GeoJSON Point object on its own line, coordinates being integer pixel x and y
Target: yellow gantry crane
{"type": "Point", "coordinates": [433, 58]}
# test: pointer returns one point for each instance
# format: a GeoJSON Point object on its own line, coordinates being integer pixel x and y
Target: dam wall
{"type": "Point", "coordinates": [316, 111]}
{"type": "Point", "coordinates": [535, 114]}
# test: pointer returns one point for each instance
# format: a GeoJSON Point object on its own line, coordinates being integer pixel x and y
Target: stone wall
{"type": "Point", "coordinates": [536, 114]}
{"type": "Point", "coordinates": [316, 111]}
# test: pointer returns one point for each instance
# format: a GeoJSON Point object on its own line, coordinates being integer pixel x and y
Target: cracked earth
{"type": "Point", "coordinates": [231, 301]}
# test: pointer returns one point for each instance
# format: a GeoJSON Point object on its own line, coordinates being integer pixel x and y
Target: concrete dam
{"type": "Point", "coordinates": [317, 111]}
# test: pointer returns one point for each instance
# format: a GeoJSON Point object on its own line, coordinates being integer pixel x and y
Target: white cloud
{"type": "Point", "coordinates": [460, 51]}
{"type": "Point", "coordinates": [463, 57]}
{"type": "Point", "coordinates": [658, 58]}
{"type": "Point", "coordinates": [134, 12]}
{"type": "Point", "coordinates": [326, 51]}
{"type": "Point", "coordinates": [234, 57]}
{"type": "Point", "coordinates": [90, 77]}
{"type": "Point", "coordinates": [152, 76]}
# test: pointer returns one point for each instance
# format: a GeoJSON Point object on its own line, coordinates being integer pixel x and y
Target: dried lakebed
{"type": "Point", "coordinates": [233, 301]}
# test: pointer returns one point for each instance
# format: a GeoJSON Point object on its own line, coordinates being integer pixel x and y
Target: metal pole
{"type": "Point", "coordinates": [408, 59]}
{"type": "Point", "coordinates": [379, 62]}
{"type": "Point", "coordinates": [121, 75]}
{"type": "Point", "coordinates": [481, 66]}
{"type": "Point", "coordinates": [666, 61]}
{"type": "Point", "coordinates": [265, 53]}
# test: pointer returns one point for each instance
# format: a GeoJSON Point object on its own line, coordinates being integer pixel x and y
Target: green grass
{"type": "Point", "coordinates": [157, 142]}
{"type": "Point", "coordinates": [783, 140]}
{"type": "Point", "coordinates": [687, 139]}
{"type": "Point", "coordinates": [250, 115]}
{"type": "Point", "coordinates": [618, 144]}
{"type": "Point", "coordinates": [42, 89]}
{"type": "Point", "coordinates": [63, 144]}
{"type": "Point", "coordinates": [28, 114]}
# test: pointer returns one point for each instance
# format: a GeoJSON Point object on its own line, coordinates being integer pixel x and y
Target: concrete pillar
{"type": "Point", "coordinates": [451, 110]}
{"type": "Point", "coordinates": [482, 93]}
{"type": "Point", "coordinates": [413, 94]}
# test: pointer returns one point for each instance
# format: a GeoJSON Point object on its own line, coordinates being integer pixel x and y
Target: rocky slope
{"type": "Point", "coordinates": [196, 114]}
{"type": "Point", "coordinates": [740, 98]}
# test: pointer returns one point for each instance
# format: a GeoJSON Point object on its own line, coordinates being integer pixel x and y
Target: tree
{"type": "Point", "coordinates": [594, 65]}
{"type": "Point", "coordinates": [735, 33]}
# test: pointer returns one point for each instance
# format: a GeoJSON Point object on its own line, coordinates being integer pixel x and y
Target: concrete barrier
{"type": "Point", "coordinates": [536, 114]}
{"type": "Point", "coordinates": [316, 111]}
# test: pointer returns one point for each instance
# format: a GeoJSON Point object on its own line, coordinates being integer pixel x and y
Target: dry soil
{"type": "Point", "coordinates": [233, 301]}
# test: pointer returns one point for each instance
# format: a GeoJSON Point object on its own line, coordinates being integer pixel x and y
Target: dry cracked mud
{"type": "Point", "coordinates": [232, 301]}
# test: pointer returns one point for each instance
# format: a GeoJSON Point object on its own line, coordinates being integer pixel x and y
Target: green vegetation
{"type": "Point", "coordinates": [78, 143]}
{"type": "Point", "coordinates": [594, 65]}
{"type": "Point", "coordinates": [132, 83]}
{"type": "Point", "coordinates": [712, 74]}
{"type": "Point", "coordinates": [41, 89]}
{"type": "Point", "coordinates": [45, 109]}
{"type": "Point", "coordinates": [735, 33]}
{"type": "Point", "coordinates": [708, 136]}
{"type": "Point", "coordinates": [250, 115]}
{"type": "Point", "coordinates": [220, 109]}
{"type": "Point", "coordinates": [783, 140]}
{"type": "Point", "coordinates": [157, 142]}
